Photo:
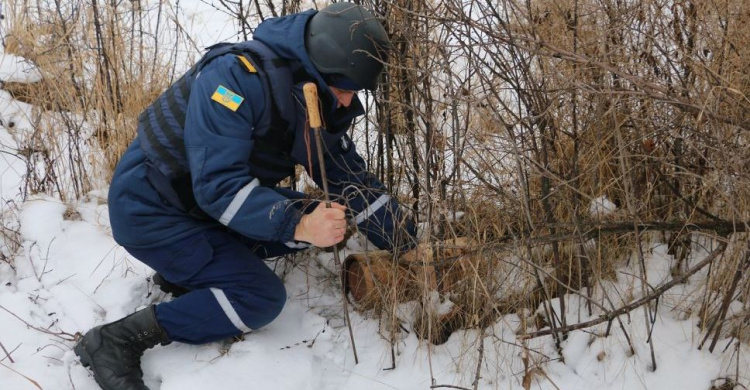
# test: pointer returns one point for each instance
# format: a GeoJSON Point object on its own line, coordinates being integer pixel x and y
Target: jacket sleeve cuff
{"type": "Point", "coordinates": [289, 225]}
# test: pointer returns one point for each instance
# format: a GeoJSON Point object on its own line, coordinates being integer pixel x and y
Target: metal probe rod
{"type": "Point", "coordinates": [313, 113]}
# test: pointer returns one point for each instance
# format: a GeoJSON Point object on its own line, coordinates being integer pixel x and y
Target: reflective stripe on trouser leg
{"type": "Point", "coordinates": [212, 314]}
{"type": "Point", "coordinates": [229, 310]}
{"type": "Point", "coordinates": [233, 290]}
{"type": "Point", "coordinates": [196, 318]}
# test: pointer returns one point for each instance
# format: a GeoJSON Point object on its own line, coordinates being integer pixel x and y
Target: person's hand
{"type": "Point", "coordinates": [323, 227]}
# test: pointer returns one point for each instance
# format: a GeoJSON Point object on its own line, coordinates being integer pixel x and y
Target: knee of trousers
{"type": "Point", "coordinates": [257, 305]}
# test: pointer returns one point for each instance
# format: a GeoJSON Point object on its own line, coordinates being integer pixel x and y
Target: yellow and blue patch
{"type": "Point", "coordinates": [227, 98]}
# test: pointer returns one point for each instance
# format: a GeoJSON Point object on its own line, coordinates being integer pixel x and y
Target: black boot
{"type": "Point", "coordinates": [113, 351]}
{"type": "Point", "coordinates": [168, 287]}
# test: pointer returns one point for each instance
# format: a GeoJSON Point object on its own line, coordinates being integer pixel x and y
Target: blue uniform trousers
{"type": "Point", "coordinates": [232, 290]}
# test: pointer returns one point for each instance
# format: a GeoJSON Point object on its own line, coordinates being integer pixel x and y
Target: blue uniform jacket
{"type": "Point", "coordinates": [219, 143]}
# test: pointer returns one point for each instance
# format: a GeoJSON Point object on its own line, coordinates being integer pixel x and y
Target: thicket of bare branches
{"type": "Point", "coordinates": [101, 63]}
{"type": "Point", "coordinates": [524, 119]}
{"type": "Point", "coordinates": [531, 116]}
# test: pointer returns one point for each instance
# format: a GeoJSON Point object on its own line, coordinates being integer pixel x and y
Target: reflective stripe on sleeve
{"type": "Point", "coordinates": [237, 202]}
{"type": "Point", "coordinates": [371, 209]}
{"type": "Point", "coordinates": [226, 306]}
{"type": "Point", "coordinates": [297, 245]}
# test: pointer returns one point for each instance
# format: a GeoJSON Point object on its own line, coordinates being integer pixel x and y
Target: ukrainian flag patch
{"type": "Point", "coordinates": [227, 98]}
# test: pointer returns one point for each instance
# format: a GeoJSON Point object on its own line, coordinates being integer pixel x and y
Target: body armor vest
{"type": "Point", "coordinates": [161, 125]}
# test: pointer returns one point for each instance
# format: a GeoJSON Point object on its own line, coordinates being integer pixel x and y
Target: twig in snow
{"type": "Point", "coordinates": [70, 378]}
{"type": "Point", "coordinates": [6, 353]}
{"type": "Point", "coordinates": [27, 378]}
{"type": "Point", "coordinates": [448, 387]}
{"type": "Point", "coordinates": [628, 308]}
{"type": "Point", "coordinates": [719, 319]}
{"type": "Point", "coordinates": [68, 336]}
{"type": "Point", "coordinates": [479, 360]}
{"type": "Point", "coordinates": [46, 259]}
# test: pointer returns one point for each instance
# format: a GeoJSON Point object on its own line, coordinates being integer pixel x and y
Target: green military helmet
{"type": "Point", "coordinates": [347, 40]}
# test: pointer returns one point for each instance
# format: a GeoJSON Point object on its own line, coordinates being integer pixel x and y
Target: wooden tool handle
{"type": "Point", "coordinates": [311, 100]}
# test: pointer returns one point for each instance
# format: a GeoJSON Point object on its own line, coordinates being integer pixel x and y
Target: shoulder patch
{"type": "Point", "coordinates": [227, 98]}
{"type": "Point", "coordinates": [248, 66]}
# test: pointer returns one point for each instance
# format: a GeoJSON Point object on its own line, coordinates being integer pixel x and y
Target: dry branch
{"type": "Point", "coordinates": [7, 354]}
{"type": "Point", "coordinates": [638, 303]}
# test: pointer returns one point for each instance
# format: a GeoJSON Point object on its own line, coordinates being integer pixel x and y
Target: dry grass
{"type": "Point", "coordinates": [100, 68]}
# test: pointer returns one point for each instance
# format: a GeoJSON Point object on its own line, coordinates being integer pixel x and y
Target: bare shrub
{"type": "Point", "coordinates": [102, 63]}
{"type": "Point", "coordinates": [522, 115]}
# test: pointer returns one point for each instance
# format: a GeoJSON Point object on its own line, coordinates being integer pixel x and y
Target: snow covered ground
{"type": "Point", "coordinates": [64, 274]}
{"type": "Point", "coordinates": [70, 275]}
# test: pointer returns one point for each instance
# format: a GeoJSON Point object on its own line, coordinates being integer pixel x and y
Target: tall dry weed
{"type": "Point", "coordinates": [101, 64]}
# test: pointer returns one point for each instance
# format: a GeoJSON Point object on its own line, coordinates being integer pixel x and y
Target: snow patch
{"type": "Point", "coordinates": [18, 69]}
{"type": "Point", "coordinates": [601, 207]}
